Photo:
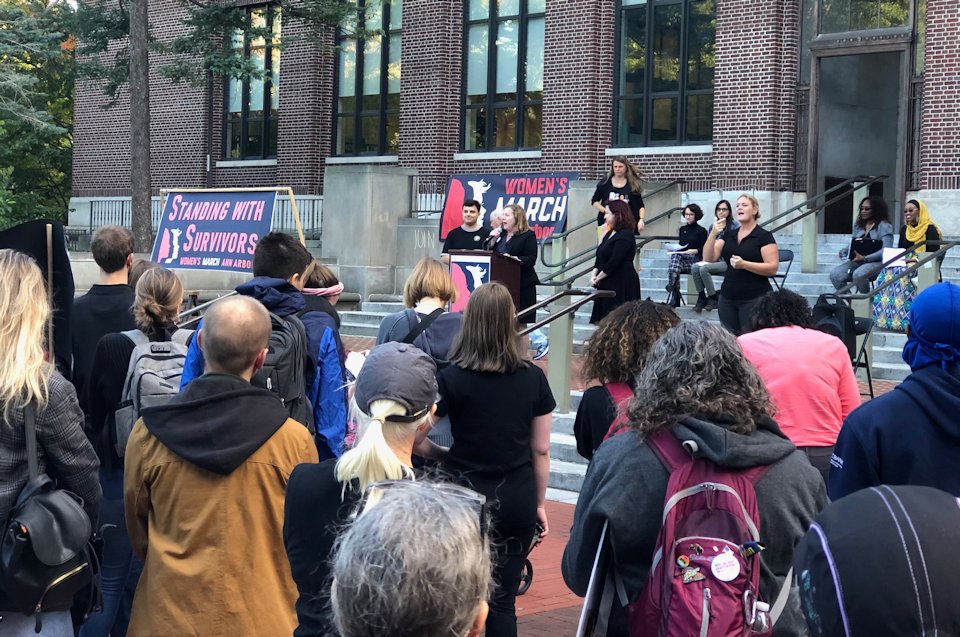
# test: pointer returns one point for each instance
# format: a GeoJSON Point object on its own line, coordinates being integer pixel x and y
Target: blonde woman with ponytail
{"type": "Point", "coordinates": [28, 377]}
{"type": "Point", "coordinates": [394, 397]}
{"type": "Point", "coordinates": [156, 305]}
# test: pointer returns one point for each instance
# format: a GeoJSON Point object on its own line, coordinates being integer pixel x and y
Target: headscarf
{"type": "Point", "coordinates": [918, 233]}
{"type": "Point", "coordinates": [333, 290]}
{"type": "Point", "coordinates": [882, 562]}
{"type": "Point", "coordinates": [934, 337]}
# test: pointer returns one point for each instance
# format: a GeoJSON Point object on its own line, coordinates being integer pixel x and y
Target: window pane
{"type": "Point", "coordinates": [234, 95]}
{"type": "Point", "coordinates": [921, 39]}
{"type": "Point", "coordinates": [396, 14]}
{"type": "Point", "coordinates": [631, 123]}
{"type": "Point", "coordinates": [834, 16]}
{"type": "Point", "coordinates": [475, 128]}
{"type": "Point", "coordinates": [272, 137]}
{"type": "Point", "coordinates": [699, 118]}
{"type": "Point", "coordinates": [508, 38]}
{"type": "Point", "coordinates": [505, 127]}
{"type": "Point", "coordinates": [701, 52]}
{"type": "Point", "coordinates": [393, 66]}
{"type": "Point", "coordinates": [373, 15]}
{"type": "Point", "coordinates": [863, 15]}
{"type": "Point", "coordinates": [393, 101]}
{"type": "Point", "coordinates": [536, 6]}
{"type": "Point", "coordinates": [275, 82]}
{"type": "Point", "coordinates": [393, 132]}
{"type": "Point", "coordinates": [477, 63]}
{"type": "Point", "coordinates": [258, 59]}
{"type": "Point", "coordinates": [628, 3]}
{"type": "Point", "coordinates": [895, 13]}
{"type": "Point", "coordinates": [347, 83]}
{"type": "Point", "coordinates": [258, 20]}
{"type": "Point", "coordinates": [234, 137]}
{"type": "Point", "coordinates": [346, 105]}
{"type": "Point", "coordinates": [276, 25]}
{"type": "Point", "coordinates": [532, 129]}
{"type": "Point", "coordinates": [508, 7]}
{"type": "Point", "coordinates": [533, 68]}
{"type": "Point", "coordinates": [634, 55]}
{"type": "Point", "coordinates": [345, 136]}
{"type": "Point", "coordinates": [807, 36]}
{"type": "Point", "coordinates": [370, 134]}
{"type": "Point", "coordinates": [371, 66]}
{"type": "Point", "coordinates": [479, 9]}
{"type": "Point", "coordinates": [663, 125]}
{"type": "Point", "coordinates": [666, 47]}
{"type": "Point", "coordinates": [254, 142]}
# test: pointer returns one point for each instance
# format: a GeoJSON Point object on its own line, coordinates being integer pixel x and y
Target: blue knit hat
{"type": "Point", "coordinates": [934, 337]}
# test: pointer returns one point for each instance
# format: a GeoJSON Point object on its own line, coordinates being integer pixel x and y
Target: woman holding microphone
{"type": "Point", "coordinates": [751, 255]}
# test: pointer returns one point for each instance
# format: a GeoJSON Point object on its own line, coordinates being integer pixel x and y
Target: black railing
{"type": "Point", "coordinates": [922, 259]}
{"type": "Point", "coordinates": [588, 295]}
{"type": "Point", "coordinates": [814, 208]}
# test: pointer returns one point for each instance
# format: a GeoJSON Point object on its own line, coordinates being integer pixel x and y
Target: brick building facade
{"type": "Point", "coordinates": [762, 83]}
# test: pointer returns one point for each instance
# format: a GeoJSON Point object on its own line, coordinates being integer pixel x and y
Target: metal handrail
{"type": "Point", "coordinates": [584, 256]}
{"type": "Point", "coordinates": [587, 294]}
{"type": "Point", "coordinates": [197, 309]}
{"type": "Point", "coordinates": [863, 180]}
{"type": "Point", "coordinates": [843, 293]}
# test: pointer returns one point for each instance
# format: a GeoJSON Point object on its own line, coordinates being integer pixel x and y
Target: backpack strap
{"type": "Point", "coordinates": [138, 337]}
{"type": "Point", "coordinates": [781, 602]}
{"type": "Point", "coordinates": [30, 425]}
{"type": "Point", "coordinates": [183, 337]}
{"type": "Point", "coordinates": [670, 450]}
{"type": "Point", "coordinates": [620, 393]}
{"type": "Point", "coordinates": [422, 326]}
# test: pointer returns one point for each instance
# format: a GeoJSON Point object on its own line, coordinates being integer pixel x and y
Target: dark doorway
{"type": "Point", "coordinates": [858, 127]}
{"type": "Point", "coordinates": [838, 217]}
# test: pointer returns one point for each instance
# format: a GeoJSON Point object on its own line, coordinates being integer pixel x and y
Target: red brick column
{"type": "Point", "coordinates": [939, 159]}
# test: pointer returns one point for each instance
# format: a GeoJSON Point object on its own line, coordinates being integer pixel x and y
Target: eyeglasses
{"type": "Point", "coordinates": [723, 210]}
{"type": "Point", "coordinates": [375, 492]}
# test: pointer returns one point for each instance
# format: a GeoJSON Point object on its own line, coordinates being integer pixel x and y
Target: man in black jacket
{"type": "Point", "coordinates": [105, 309]}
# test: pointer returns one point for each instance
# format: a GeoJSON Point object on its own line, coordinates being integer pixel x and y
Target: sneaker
{"type": "Point", "coordinates": [701, 302]}
{"type": "Point", "coordinates": [712, 302]}
{"type": "Point", "coordinates": [542, 350]}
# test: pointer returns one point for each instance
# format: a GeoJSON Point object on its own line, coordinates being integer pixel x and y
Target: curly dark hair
{"type": "Point", "coordinates": [618, 348]}
{"type": "Point", "coordinates": [698, 369]}
{"type": "Point", "coordinates": [781, 308]}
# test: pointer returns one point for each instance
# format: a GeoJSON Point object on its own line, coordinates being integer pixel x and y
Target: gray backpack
{"type": "Point", "coordinates": [153, 378]}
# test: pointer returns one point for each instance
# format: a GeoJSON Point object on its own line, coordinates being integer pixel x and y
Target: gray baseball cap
{"type": "Point", "coordinates": [399, 372]}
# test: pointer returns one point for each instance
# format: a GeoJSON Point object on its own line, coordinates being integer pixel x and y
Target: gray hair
{"type": "Point", "coordinates": [413, 565]}
{"type": "Point", "coordinates": [698, 369]}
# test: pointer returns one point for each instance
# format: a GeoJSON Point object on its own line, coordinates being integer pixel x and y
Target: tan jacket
{"type": "Point", "coordinates": [212, 545]}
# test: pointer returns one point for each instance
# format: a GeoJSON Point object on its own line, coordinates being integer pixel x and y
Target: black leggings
{"type": "Point", "coordinates": [509, 555]}
{"type": "Point", "coordinates": [735, 315]}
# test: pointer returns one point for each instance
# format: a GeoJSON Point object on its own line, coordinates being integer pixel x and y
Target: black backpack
{"type": "Point", "coordinates": [285, 371]}
{"type": "Point", "coordinates": [836, 318]}
{"type": "Point", "coordinates": [45, 554]}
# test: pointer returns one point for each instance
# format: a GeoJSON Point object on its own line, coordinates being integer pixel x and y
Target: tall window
{"type": "Point", "coordinates": [252, 106]}
{"type": "Point", "coordinates": [503, 69]}
{"type": "Point", "coordinates": [368, 82]}
{"type": "Point", "coordinates": [665, 88]}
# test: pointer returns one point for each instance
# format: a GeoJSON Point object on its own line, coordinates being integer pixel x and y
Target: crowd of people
{"type": "Point", "coordinates": [240, 480]}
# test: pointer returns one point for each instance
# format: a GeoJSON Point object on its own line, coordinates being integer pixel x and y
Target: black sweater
{"type": "Point", "coordinates": [693, 236]}
{"type": "Point", "coordinates": [103, 310]}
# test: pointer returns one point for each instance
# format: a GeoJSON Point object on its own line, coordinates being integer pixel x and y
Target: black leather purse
{"type": "Point", "coordinates": [45, 555]}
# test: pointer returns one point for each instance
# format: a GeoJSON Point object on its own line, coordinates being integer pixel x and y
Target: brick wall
{"type": "Point", "coordinates": [939, 158]}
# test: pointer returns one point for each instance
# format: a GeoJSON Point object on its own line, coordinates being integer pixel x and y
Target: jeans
{"type": "Point", "coordinates": [120, 569]}
{"type": "Point", "coordinates": [702, 274]}
{"type": "Point", "coordinates": [509, 556]}
{"type": "Point", "coordinates": [736, 315]}
{"type": "Point", "coordinates": [538, 338]}
{"type": "Point", "coordinates": [860, 273]}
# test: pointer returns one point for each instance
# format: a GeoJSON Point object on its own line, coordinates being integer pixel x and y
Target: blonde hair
{"type": "Point", "coordinates": [429, 278]}
{"type": "Point", "coordinates": [520, 216]}
{"type": "Point", "coordinates": [634, 177]}
{"type": "Point", "coordinates": [753, 200]}
{"type": "Point", "coordinates": [25, 312]}
{"type": "Point", "coordinates": [157, 301]}
{"type": "Point", "coordinates": [372, 459]}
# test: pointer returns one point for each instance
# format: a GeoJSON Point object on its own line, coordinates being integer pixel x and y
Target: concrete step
{"type": "Point", "coordinates": [888, 371]}
{"type": "Point", "coordinates": [563, 447]}
{"type": "Point", "coordinates": [358, 329]}
{"type": "Point", "coordinates": [566, 475]}
{"type": "Point", "coordinates": [562, 424]}
{"type": "Point", "coordinates": [891, 356]}
{"type": "Point", "coordinates": [363, 317]}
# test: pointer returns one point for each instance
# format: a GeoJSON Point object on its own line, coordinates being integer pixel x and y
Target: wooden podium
{"type": "Point", "coordinates": [470, 269]}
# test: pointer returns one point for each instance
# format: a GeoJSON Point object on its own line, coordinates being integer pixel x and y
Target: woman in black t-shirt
{"type": "Point", "coordinates": [625, 183]}
{"type": "Point", "coordinates": [752, 257]}
{"type": "Point", "coordinates": [500, 413]}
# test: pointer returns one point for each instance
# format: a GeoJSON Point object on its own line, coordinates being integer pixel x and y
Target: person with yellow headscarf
{"type": "Point", "coordinates": [918, 227]}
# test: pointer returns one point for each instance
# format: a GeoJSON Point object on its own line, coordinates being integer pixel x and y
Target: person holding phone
{"type": "Point", "coordinates": [864, 258]}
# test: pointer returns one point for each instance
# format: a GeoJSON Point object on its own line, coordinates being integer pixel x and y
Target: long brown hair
{"type": "Point", "coordinates": [635, 178]}
{"type": "Point", "coordinates": [488, 340]}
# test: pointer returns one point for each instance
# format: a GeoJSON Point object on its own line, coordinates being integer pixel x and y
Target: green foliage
{"type": "Point", "coordinates": [36, 110]}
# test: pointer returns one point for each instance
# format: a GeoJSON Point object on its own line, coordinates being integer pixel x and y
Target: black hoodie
{"type": "Point", "coordinates": [217, 421]}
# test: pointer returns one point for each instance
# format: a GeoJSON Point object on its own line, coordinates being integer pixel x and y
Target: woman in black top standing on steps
{"type": "Point", "coordinates": [752, 257]}
{"type": "Point", "coordinates": [613, 268]}
{"type": "Point", "coordinates": [624, 183]}
{"type": "Point", "coordinates": [156, 304]}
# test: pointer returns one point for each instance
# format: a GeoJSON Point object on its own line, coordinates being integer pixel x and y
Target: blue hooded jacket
{"type": "Point", "coordinates": [326, 383]}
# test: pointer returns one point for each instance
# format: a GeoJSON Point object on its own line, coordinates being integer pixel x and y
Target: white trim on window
{"type": "Point", "coordinates": [245, 163]}
{"type": "Point", "coordinates": [364, 159]}
{"type": "Point", "coordinates": [660, 150]}
{"type": "Point", "coordinates": [501, 154]}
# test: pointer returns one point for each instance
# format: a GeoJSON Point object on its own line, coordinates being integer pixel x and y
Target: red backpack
{"type": "Point", "coordinates": [621, 395]}
{"type": "Point", "coordinates": [705, 575]}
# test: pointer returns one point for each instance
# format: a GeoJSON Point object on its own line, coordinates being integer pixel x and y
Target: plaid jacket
{"type": "Point", "coordinates": [64, 452]}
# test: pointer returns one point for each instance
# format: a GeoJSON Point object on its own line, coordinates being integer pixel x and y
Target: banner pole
{"type": "Point", "coordinates": [296, 216]}
{"type": "Point", "coordinates": [50, 288]}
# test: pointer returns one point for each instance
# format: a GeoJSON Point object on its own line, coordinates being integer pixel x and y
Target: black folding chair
{"type": "Point", "coordinates": [780, 278]}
